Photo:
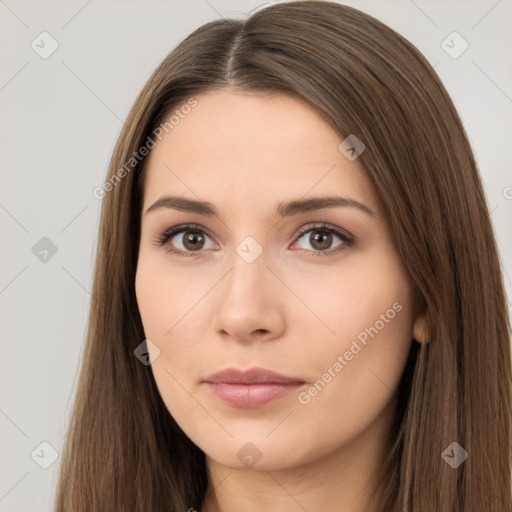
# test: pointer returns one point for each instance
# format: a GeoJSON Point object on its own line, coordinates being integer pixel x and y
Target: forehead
{"type": "Point", "coordinates": [252, 149]}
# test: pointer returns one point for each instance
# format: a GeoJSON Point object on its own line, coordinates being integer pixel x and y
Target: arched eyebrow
{"type": "Point", "coordinates": [286, 209]}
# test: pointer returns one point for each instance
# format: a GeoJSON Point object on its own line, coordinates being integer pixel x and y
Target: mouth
{"type": "Point", "coordinates": [252, 388]}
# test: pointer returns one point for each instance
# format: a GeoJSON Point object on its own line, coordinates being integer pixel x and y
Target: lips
{"type": "Point", "coordinates": [251, 388]}
{"type": "Point", "coordinates": [254, 375]}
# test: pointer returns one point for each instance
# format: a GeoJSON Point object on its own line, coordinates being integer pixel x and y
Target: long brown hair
{"type": "Point", "coordinates": [125, 452]}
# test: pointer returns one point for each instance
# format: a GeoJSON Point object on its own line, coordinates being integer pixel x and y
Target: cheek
{"type": "Point", "coordinates": [164, 295]}
{"type": "Point", "coordinates": [358, 369]}
{"type": "Point", "coordinates": [166, 304]}
{"type": "Point", "coordinates": [366, 299]}
{"type": "Point", "coordinates": [367, 315]}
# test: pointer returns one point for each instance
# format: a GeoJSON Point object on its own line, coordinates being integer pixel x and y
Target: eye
{"type": "Point", "coordinates": [321, 239]}
{"type": "Point", "coordinates": [193, 239]}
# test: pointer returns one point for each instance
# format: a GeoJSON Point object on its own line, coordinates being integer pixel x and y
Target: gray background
{"type": "Point", "coordinates": [61, 117]}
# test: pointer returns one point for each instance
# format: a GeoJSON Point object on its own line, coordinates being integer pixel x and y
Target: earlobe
{"type": "Point", "coordinates": [420, 330]}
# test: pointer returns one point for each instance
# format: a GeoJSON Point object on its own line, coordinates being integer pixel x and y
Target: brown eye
{"type": "Point", "coordinates": [185, 240]}
{"type": "Point", "coordinates": [320, 240]}
{"type": "Point", "coordinates": [190, 240]}
{"type": "Point", "coordinates": [193, 240]}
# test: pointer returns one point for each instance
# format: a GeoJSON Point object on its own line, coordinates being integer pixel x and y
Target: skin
{"type": "Point", "coordinates": [291, 310]}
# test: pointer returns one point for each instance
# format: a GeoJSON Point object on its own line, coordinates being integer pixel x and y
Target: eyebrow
{"type": "Point", "coordinates": [289, 208]}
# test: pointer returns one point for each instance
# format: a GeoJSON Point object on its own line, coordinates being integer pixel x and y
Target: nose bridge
{"type": "Point", "coordinates": [249, 265]}
{"type": "Point", "coordinates": [246, 292]}
{"type": "Point", "coordinates": [251, 253]}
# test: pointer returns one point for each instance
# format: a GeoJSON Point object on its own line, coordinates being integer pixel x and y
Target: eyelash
{"type": "Point", "coordinates": [165, 236]}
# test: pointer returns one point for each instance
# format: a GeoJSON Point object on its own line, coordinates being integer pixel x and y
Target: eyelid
{"type": "Point", "coordinates": [342, 233]}
{"type": "Point", "coordinates": [167, 234]}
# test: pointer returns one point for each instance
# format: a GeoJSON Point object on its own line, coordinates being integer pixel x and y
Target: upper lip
{"type": "Point", "coordinates": [253, 375]}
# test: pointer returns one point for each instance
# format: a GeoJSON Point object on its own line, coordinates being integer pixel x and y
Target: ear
{"type": "Point", "coordinates": [420, 331]}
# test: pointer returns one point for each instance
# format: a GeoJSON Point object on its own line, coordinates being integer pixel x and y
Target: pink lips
{"type": "Point", "coordinates": [251, 388]}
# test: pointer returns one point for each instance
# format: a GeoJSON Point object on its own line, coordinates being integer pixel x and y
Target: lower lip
{"type": "Point", "coordinates": [251, 395]}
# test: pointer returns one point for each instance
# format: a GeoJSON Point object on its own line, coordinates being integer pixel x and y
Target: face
{"type": "Point", "coordinates": [318, 295]}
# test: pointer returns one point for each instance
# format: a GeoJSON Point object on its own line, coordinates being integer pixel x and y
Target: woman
{"type": "Point", "coordinates": [298, 301]}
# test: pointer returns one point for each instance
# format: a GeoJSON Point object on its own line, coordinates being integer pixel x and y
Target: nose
{"type": "Point", "coordinates": [249, 302]}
